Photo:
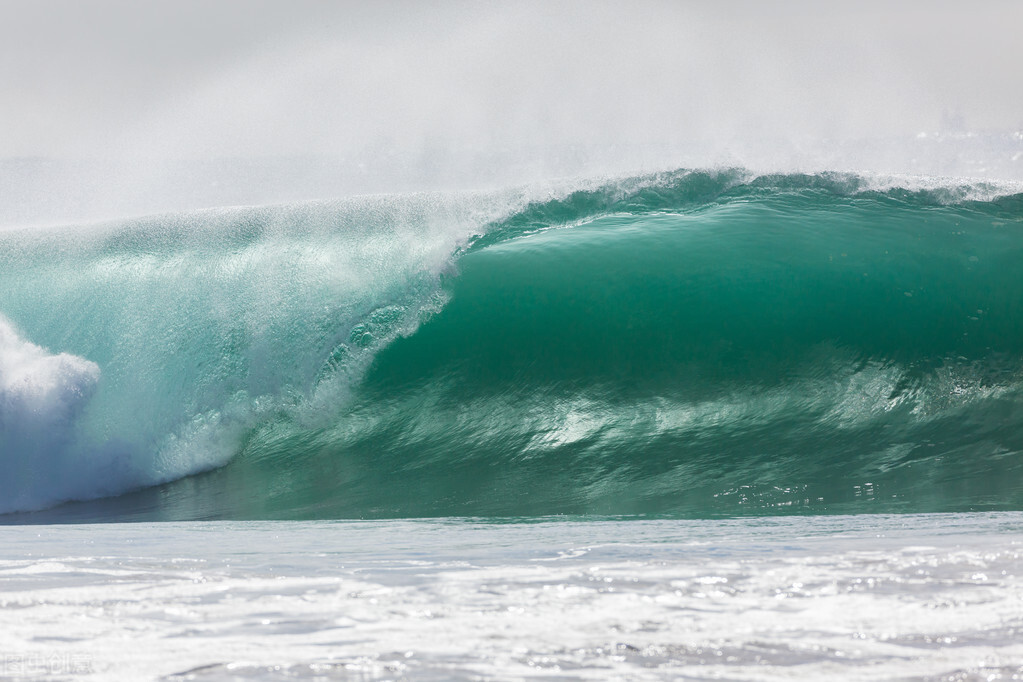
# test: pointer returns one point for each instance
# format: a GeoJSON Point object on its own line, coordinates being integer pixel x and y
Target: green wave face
{"type": "Point", "coordinates": [696, 345]}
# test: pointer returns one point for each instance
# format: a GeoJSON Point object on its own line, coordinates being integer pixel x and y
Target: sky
{"type": "Point", "coordinates": [151, 83]}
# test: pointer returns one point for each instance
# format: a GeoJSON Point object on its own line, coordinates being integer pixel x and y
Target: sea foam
{"type": "Point", "coordinates": [41, 397]}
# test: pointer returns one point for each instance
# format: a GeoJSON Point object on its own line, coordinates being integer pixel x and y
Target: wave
{"type": "Point", "coordinates": [687, 343]}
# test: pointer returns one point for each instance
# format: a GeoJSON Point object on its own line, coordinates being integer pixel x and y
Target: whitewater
{"type": "Point", "coordinates": [933, 597]}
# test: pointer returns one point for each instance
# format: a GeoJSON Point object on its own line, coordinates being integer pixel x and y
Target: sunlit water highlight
{"type": "Point", "coordinates": [906, 597]}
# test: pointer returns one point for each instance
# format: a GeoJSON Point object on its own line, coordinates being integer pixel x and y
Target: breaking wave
{"type": "Point", "coordinates": [690, 343]}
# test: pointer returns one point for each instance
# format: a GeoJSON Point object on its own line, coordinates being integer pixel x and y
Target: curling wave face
{"type": "Point", "coordinates": [693, 343]}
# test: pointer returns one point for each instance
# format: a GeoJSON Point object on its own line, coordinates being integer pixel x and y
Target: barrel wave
{"type": "Point", "coordinates": [691, 343]}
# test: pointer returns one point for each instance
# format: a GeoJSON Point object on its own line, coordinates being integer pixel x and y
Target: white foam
{"type": "Point", "coordinates": [872, 597]}
{"type": "Point", "coordinates": [41, 396]}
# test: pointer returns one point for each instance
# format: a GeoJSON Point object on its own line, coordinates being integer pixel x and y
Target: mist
{"type": "Point", "coordinates": [114, 108]}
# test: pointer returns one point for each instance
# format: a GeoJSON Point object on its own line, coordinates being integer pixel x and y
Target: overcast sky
{"type": "Point", "coordinates": [203, 79]}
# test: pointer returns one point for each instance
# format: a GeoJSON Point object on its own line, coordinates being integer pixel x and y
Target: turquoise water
{"type": "Point", "coordinates": [689, 344]}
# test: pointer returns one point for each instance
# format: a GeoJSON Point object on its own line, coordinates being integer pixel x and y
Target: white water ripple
{"type": "Point", "coordinates": [932, 597]}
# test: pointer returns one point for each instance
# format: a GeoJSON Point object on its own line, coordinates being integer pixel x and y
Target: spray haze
{"type": "Point", "coordinates": [149, 107]}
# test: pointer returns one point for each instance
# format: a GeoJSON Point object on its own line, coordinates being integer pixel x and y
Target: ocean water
{"type": "Point", "coordinates": [867, 597]}
{"type": "Point", "coordinates": [694, 424]}
{"type": "Point", "coordinates": [691, 343]}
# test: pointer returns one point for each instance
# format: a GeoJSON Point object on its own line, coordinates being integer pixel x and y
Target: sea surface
{"type": "Point", "coordinates": [697, 424]}
{"type": "Point", "coordinates": [867, 597]}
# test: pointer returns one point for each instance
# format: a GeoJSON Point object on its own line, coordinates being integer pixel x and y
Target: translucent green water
{"type": "Point", "coordinates": [696, 344]}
